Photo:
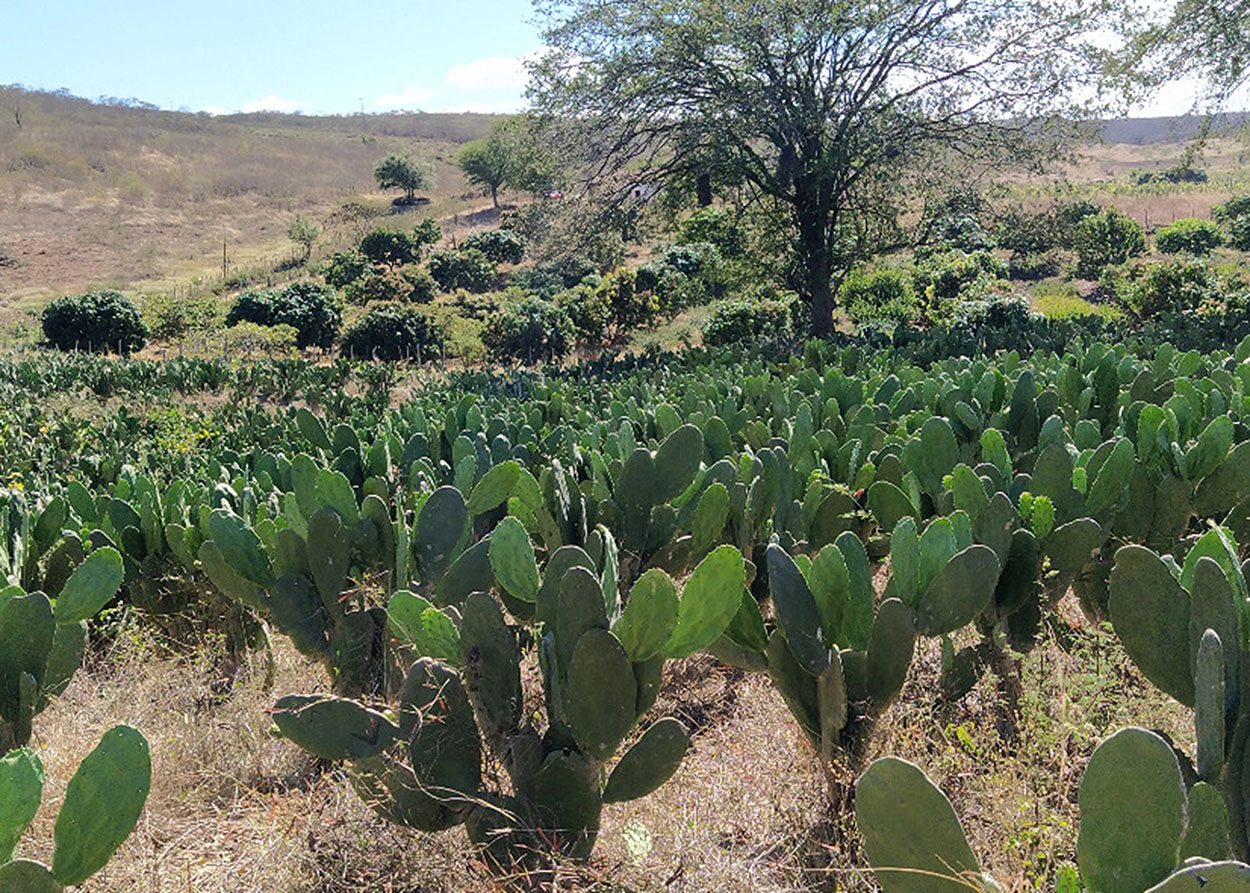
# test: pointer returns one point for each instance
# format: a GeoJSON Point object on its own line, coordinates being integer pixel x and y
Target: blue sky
{"type": "Point", "coordinates": [314, 56]}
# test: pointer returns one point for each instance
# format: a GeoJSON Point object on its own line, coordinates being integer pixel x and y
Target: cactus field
{"type": "Point", "coordinates": [695, 621]}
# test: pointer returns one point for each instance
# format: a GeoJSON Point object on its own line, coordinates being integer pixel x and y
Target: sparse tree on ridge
{"type": "Point", "coordinates": [839, 114]}
{"type": "Point", "coordinates": [403, 172]}
{"type": "Point", "coordinates": [486, 163]}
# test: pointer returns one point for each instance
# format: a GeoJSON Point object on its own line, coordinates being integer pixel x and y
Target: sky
{"type": "Point", "coordinates": [313, 56]}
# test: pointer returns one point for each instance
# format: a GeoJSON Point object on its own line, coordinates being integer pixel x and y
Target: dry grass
{"type": "Point", "coordinates": [233, 809]}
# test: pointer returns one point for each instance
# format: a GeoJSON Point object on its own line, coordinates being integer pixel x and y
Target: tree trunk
{"type": "Point", "coordinates": [494, 195]}
{"type": "Point", "coordinates": [815, 257]}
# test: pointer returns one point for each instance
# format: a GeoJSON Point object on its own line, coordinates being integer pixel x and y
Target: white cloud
{"type": "Point", "coordinates": [497, 107]}
{"type": "Point", "coordinates": [495, 73]}
{"type": "Point", "coordinates": [269, 103]}
{"type": "Point", "coordinates": [214, 110]}
{"type": "Point", "coordinates": [409, 97]}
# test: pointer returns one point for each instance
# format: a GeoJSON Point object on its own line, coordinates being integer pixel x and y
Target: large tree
{"type": "Point", "coordinates": [403, 172]}
{"type": "Point", "coordinates": [842, 114]}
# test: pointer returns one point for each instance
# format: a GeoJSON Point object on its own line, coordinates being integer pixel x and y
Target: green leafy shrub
{"type": "Point", "coordinates": [393, 332]}
{"type": "Point", "coordinates": [541, 282]}
{"type": "Point", "coordinates": [589, 310]}
{"type": "Point", "coordinates": [248, 338]}
{"type": "Point", "coordinates": [1235, 215]}
{"type": "Point", "coordinates": [714, 226]}
{"type": "Point", "coordinates": [957, 221]}
{"type": "Point", "coordinates": [750, 319]}
{"type": "Point", "coordinates": [470, 270]}
{"type": "Point", "coordinates": [1171, 287]}
{"type": "Point", "coordinates": [390, 248]}
{"type": "Point", "coordinates": [409, 284]}
{"type": "Point", "coordinates": [500, 246]}
{"type": "Point", "coordinates": [1189, 235]}
{"type": "Point", "coordinates": [345, 267]}
{"type": "Point", "coordinates": [883, 296]}
{"type": "Point", "coordinates": [631, 308]}
{"type": "Point", "coordinates": [98, 321]}
{"type": "Point", "coordinates": [1105, 240]}
{"type": "Point", "coordinates": [530, 330]}
{"type": "Point", "coordinates": [574, 269]}
{"type": "Point", "coordinates": [1066, 304]}
{"type": "Point", "coordinates": [943, 279]}
{"type": "Point", "coordinates": [169, 318]}
{"type": "Point", "coordinates": [1026, 233]}
{"type": "Point", "coordinates": [314, 311]}
{"type": "Point", "coordinates": [1031, 267]}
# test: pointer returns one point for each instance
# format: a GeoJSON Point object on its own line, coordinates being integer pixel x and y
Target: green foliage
{"type": "Point", "coordinates": [486, 163]}
{"type": "Point", "coordinates": [345, 267]}
{"type": "Point", "coordinates": [1235, 215]}
{"type": "Point", "coordinates": [403, 172]}
{"type": "Point", "coordinates": [631, 308]}
{"type": "Point", "coordinates": [1190, 235]}
{"type": "Point", "coordinates": [304, 233]}
{"type": "Point", "coordinates": [409, 284]}
{"type": "Point", "coordinates": [589, 310]}
{"type": "Point", "coordinates": [1178, 286]}
{"type": "Point", "coordinates": [957, 221]}
{"type": "Point", "coordinates": [881, 296]}
{"type": "Point", "coordinates": [714, 226]}
{"type": "Point", "coordinates": [1067, 305]}
{"type": "Point", "coordinates": [470, 269]}
{"type": "Point", "coordinates": [946, 280]}
{"type": "Point", "coordinates": [390, 248]}
{"type": "Point", "coordinates": [170, 318]}
{"type": "Point", "coordinates": [99, 321]}
{"type": "Point", "coordinates": [747, 320]}
{"type": "Point", "coordinates": [391, 332]}
{"type": "Point", "coordinates": [314, 311]}
{"type": "Point", "coordinates": [529, 331]}
{"type": "Point", "coordinates": [1105, 240]}
{"type": "Point", "coordinates": [499, 245]}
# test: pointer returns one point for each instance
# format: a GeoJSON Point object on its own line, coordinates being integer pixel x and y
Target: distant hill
{"type": "Point", "coordinates": [123, 193]}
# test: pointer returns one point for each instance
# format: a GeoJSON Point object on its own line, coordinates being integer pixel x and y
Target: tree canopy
{"type": "Point", "coordinates": [842, 114]}
{"type": "Point", "coordinates": [403, 172]}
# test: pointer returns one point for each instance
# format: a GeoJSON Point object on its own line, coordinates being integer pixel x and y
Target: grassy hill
{"type": "Point", "coordinates": [124, 194]}
{"type": "Point", "coordinates": [137, 197]}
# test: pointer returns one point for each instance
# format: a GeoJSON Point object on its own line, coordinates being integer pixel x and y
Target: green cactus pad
{"type": "Point", "coordinates": [1206, 834]}
{"type": "Point", "coordinates": [709, 601]}
{"type": "Point", "coordinates": [492, 674]}
{"type": "Point", "coordinates": [512, 560]}
{"type": "Point", "coordinates": [25, 876]}
{"type": "Point", "coordinates": [333, 728]}
{"type": "Point", "coordinates": [677, 461]}
{"type": "Point", "coordinates": [1150, 613]}
{"type": "Point", "coordinates": [102, 804]}
{"type": "Point", "coordinates": [1070, 545]}
{"type": "Point", "coordinates": [27, 630]}
{"type": "Point", "coordinates": [649, 763]}
{"type": "Point", "coordinates": [440, 528]}
{"type": "Point", "coordinates": [1223, 488]}
{"type": "Point", "coordinates": [494, 488]}
{"type": "Point", "coordinates": [1211, 448]}
{"type": "Point", "coordinates": [831, 695]}
{"type": "Point", "coordinates": [1210, 877]}
{"type": "Point", "coordinates": [889, 504]}
{"type": "Point", "coordinates": [413, 621]}
{"type": "Point", "coordinates": [566, 804]}
{"type": "Point", "coordinates": [830, 584]}
{"type": "Point", "coordinates": [1132, 803]}
{"type": "Point", "coordinates": [579, 607]}
{"type": "Point", "coordinates": [329, 557]}
{"type": "Point", "coordinates": [21, 789]}
{"type": "Point", "coordinates": [562, 560]}
{"type": "Point", "coordinates": [796, 686]}
{"type": "Point", "coordinates": [445, 750]}
{"type": "Point", "coordinates": [335, 491]}
{"type": "Point", "coordinates": [290, 553]}
{"type": "Point", "coordinates": [710, 515]}
{"type": "Point", "coordinates": [240, 547]}
{"type": "Point", "coordinates": [797, 613]}
{"type": "Point", "coordinates": [959, 592]}
{"type": "Point", "coordinates": [90, 587]}
{"type": "Point", "coordinates": [912, 835]}
{"type": "Point", "coordinates": [69, 643]}
{"type": "Point", "coordinates": [861, 597]}
{"type": "Point", "coordinates": [601, 696]}
{"type": "Point", "coordinates": [650, 616]}
{"type": "Point", "coordinates": [649, 675]}
{"type": "Point", "coordinates": [1111, 484]}
{"type": "Point", "coordinates": [1209, 706]}
{"type": "Point", "coordinates": [889, 652]}
{"type": "Point", "coordinates": [298, 612]}
{"type": "Point", "coordinates": [471, 572]}
{"type": "Point", "coordinates": [1212, 605]}
{"type": "Point", "coordinates": [393, 792]}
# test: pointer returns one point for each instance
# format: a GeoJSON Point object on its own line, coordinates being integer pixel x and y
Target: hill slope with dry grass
{"type": "Point", "coordinates": [133, 196]}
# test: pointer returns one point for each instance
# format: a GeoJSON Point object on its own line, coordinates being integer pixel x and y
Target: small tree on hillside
{"type": "Point", "coordinates": [303, 232]}
{"type": "Point", "coordinates": [403, 172]}
{"type": "Point", "coordinates": [486, 163]}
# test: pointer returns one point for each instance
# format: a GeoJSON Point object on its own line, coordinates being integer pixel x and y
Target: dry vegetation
{"type": "Point", "coordinates": [233, 808]}
{"type": "Point", "coordinates": [142, 198]}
